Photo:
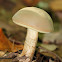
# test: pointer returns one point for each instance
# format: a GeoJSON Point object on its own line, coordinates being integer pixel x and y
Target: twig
{"type": "Point", "coordinates": [5, 58]}
{"type": "Point", "coordinates": [45, 50]}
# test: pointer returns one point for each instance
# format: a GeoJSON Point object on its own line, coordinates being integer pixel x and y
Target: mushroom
{"type": "Point", "coordinates": [35, 20]}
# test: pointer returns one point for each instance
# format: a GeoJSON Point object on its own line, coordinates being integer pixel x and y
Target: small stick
{"type": "Point", "coordinates": [45, 50]}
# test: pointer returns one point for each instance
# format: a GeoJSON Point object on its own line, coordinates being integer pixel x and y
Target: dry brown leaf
{"type": "Point", "coordinates": [2, 53]}
{"type": "Point", "coordinates": [5, 60]}
{"type": "Point", "coordinates": [56, 5]}
{"type": "Point", "coordinates": [30, 2]}
{"type": "Point", "coordinates": [5, 44]}
{"type": "Point", "coordinates": [49, 53]}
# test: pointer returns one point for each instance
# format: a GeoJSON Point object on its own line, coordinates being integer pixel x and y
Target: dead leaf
{"type": "Point", "coordinates": [30, 2]}
{"type": "Point", "coordinates": [49, 53]}
{"type": "Point", "coordinates": [5, 44]}
{"type": "Point", "coordinates": [53, 38]}
{"type": "Point", "coordinates": [50, 60]}
{"type": "Point", "coordinates": [2, 53]}
{"type": "Point", "coordinates": [50, 47]}
{"type": "Point", "coordinates": [21, 59]}
{"type": "Point", "coordinates": [6, 60]}
{"type": "Point", "coordinates": [56, 5]}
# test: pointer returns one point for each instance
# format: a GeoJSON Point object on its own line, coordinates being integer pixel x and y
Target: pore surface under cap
{"type": "Point", "coordinates": [34, 18]}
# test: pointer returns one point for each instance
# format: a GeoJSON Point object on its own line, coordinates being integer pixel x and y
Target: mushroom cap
{"type": "Point", "coordinates": [34, 18]}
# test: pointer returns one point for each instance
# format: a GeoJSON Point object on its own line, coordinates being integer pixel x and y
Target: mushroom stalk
{"type": "Point", "coordinates": [30, 44]}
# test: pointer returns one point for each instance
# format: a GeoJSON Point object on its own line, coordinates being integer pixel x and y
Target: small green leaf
{"type": "Point", "coordinates": [50, 47]}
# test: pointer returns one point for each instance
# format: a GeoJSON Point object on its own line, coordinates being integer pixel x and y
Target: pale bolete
{"type": "Point", "coordinates": [36, 20]}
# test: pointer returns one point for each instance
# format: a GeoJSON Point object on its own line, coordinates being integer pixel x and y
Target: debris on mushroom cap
{"type": "Point", "coordinates": [34, 18]}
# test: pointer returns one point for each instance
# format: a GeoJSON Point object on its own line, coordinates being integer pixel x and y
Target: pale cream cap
{"type": "Point", "coordinates": [34, 18]}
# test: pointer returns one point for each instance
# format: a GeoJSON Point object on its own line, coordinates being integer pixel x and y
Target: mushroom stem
{"type": "Point", "coordinates": [30, 44]}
